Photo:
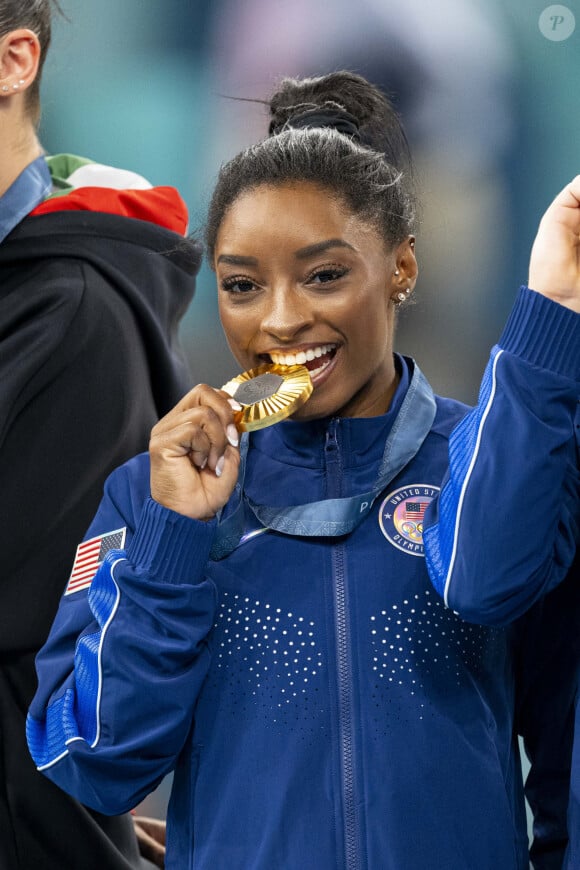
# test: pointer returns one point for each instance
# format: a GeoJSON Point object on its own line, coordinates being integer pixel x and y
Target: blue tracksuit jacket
{"type": "Point", "coordinates": [319, 705]}
{"type": "Point", "coordinates": [505, 528]}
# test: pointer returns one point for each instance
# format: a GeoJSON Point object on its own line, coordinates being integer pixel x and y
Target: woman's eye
{"type": "Point", "coordinates": [237, 285]}
{"type": "Point", "coordinates": [326, 275]}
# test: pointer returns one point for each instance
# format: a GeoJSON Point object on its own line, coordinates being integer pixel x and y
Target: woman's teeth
{"type": "Point", "coordinates": [302, 357]}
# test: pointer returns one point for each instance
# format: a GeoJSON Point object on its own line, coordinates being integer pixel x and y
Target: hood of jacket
{"type": "Point", "coordinates": [151, 267]}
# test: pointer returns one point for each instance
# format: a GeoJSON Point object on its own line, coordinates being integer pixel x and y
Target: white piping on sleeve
{"type": "Point", "coordinates": [468, 478]}
{"type": "Point", "coordinates": [101, 641]}
{"type": "Point", "coordinates": [54, 760]}
{"type": "Point", "coordinates": [100, 673]}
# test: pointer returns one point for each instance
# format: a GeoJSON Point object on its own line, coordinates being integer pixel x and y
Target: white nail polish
{"type": "Point", "coordinates": [220, 466]}
{"type": "Point", "coordinates": [232, 435]}
{"type": "Point", "coordinates": [234, 405]}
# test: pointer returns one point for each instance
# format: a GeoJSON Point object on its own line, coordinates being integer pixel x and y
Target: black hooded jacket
{"type": "Point", "coordinates": [89, 310]}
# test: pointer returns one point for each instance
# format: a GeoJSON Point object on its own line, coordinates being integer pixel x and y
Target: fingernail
{"type": "Point", "coordinates": [234, 405]}
{"type": "Point", "coordinates": [203, 464]}
{"type": "Point", "coordinates": [220, 466]}
{"type": "Point", "coordinates": [232, 435]}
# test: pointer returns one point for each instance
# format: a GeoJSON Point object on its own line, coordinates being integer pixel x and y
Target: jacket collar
{"type": "Point", "coordinates": [411, 423]}
{"type": "Point", "coordinates": [31, 187]}
{"type": "Point", "coordinates": [362, 439]}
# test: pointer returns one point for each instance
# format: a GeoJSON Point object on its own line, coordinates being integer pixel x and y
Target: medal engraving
{"type": "Point", "coordinates": [268, 394]}
{"type": "Point", "coordinates": [258, 389]}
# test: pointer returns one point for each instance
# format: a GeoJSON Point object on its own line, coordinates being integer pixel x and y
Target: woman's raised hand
{"type": "Point", "coordinates": [555, 257]}
{"type": "Point", "coordinates": [194, 454]}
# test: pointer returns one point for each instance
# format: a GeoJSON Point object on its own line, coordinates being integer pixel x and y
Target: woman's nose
{"type": "Point", "coordinates": [286, 315]}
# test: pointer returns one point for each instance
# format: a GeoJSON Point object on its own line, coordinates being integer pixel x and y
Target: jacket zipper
{"type": "Point", "coordinates": [343, 666]}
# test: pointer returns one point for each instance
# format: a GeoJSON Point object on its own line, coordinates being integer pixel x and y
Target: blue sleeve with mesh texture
{"type": "Point", "coordinates": [505, 527]}
{"type": "Point", "coordinates": [121, 670]}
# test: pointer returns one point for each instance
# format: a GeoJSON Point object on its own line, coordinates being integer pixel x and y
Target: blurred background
{"type": "Point", "coordinates": [488, 91]}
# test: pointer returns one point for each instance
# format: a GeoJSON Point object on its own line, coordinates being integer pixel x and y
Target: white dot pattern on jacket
{"type": "Point", "coordinates": [269, 661]}
{"type": "Point", "coordinates": [420, 649]}
{"type": "Point", "coordinates": [268, 655]}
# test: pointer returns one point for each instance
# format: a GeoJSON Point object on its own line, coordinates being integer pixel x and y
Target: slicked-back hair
{"type": "Point", "coordinates": [374, 180]}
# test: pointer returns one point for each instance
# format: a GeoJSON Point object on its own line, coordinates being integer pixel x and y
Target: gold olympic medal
{"type": "Point", "coordinates": [268, 394]}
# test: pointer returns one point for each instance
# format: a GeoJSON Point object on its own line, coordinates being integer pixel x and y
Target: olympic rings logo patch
{"type": "Point", "coordinates": [401, 516]}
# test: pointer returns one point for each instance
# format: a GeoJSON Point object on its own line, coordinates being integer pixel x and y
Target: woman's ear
{"type": "Point", "coordinates": [405, 272]}
{"type": "Point", "coordinates": [19, 59]}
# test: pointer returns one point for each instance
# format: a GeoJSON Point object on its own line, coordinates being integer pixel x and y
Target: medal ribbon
{"type": "Point", "coordinates": [336, 516]}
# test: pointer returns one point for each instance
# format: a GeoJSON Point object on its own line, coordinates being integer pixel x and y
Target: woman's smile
{"type": "Point", "coordinates": [318, 360]}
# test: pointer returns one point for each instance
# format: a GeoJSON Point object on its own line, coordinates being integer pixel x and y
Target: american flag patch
{"type": "Point", "coordinates": [415, 510]}
{"type": "Point", "coordinates": [89, 556]}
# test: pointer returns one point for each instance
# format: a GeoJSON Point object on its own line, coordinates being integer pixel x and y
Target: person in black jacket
{"type": "Point", "coordinates": [94, 277]}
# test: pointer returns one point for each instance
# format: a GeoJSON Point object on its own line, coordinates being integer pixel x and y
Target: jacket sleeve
{"type": "Point", "coordinates": [503, 531]}
{"type": "Point", "coordinates": [121, 670]}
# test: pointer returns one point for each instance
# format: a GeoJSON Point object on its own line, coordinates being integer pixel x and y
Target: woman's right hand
{"type": "Point", "coordinates": [194, 454]}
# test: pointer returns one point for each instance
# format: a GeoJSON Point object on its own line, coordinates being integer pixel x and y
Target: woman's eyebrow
{"type": "Point", "coordinates": [319, 247]}
{"type": "Point", "coordinates": [234, 260]}
{"type": "Point", "coordinates": [301, 254]}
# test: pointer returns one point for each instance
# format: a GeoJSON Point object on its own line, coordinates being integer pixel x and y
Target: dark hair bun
{"type": "Point", "coordinates": [363, 159]}
{"type": "Point", "coordinates": [378, 122]}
